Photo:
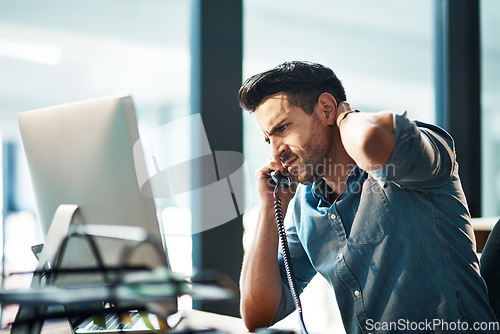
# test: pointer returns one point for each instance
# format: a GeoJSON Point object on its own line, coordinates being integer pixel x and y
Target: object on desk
{"type": "Point", "coordinates": [55, 284]}
{"type": "Point", "coordinates": [138, 322]}
{"type": "Point", "coordinates": [270, 330]}
{"type": "Point", "coordinates": [151, 287]}
{"type": "Point", "coordinates": [113, 324]}
{"type": "Point", "coordinates": [126, 287]}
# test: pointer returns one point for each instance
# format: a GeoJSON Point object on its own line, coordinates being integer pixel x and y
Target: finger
{"type": "Point", "coordinates": [343, 107]}
{"type": "Point", "coordinates": [272, 165]}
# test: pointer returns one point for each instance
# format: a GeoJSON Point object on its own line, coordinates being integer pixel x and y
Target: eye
{"type": "Point", "coordinates": [282, 128]}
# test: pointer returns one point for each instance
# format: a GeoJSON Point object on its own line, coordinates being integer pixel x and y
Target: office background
{"type": "Point", "coordinates": [439, 60]}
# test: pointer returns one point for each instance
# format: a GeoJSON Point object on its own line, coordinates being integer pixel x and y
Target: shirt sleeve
{"type": "Point", "coordinates": [302, 269]}
{"type": "Point", "coordinates": [423, 158]}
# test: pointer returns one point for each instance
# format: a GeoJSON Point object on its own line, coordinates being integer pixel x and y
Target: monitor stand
{"type": "Point", "coordinates": [64, 216]}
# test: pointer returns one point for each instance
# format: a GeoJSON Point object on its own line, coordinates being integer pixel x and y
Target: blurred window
{"type": "Point", "coordinates": [490, 107]}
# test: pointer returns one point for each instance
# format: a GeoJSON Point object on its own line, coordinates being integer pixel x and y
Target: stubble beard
{"type": "Point", "coordinates": [314, 160]}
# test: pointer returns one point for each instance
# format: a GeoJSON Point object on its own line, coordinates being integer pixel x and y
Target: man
{"type": "Point", "coordinates": [380, 212]}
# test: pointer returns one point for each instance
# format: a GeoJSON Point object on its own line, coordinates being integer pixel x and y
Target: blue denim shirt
{"type": "Point", "coordinates": [397, 245]}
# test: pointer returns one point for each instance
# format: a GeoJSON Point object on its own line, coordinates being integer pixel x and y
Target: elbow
{"type": "Point", "coordinates": [376, 149]}
{"type": "Point", "coordinates": [253, 324]}
{"type": "Point", "coordinates": [257, 316]}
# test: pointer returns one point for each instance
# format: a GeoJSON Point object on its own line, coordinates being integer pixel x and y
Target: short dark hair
{"type": "Point", "coordinates": [302, 82]}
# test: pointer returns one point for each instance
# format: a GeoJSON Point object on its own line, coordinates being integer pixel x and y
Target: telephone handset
{"type": "Point", "coordinates": [282, 180]}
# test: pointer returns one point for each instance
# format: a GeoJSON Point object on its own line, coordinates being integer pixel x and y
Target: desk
{"type": "Point", "coordinates": [482, 228]}
{"type": "Point", "coordinates": [199, 319]}
{"type": "Point", "coordinates": [192, 318]}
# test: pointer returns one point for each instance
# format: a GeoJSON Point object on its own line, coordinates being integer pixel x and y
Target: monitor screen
{"type": "Point", "coordinates": [82, 154]}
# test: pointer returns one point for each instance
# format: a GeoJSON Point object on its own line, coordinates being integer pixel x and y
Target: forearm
{"type": "Point", "coordinates": [260, 281]}
{"type": "Point", "coordinates": [368, 138]}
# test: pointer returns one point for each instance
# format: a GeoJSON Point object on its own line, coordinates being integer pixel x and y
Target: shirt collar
{"type": "Point", "coordinates": [320, 188]}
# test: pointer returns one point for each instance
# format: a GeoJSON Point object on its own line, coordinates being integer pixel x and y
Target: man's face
{"type": "Point", "coordinates": [302, 142]}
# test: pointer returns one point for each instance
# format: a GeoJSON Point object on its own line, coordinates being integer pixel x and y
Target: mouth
{"type": "Point", "coordinates": [289, 163]}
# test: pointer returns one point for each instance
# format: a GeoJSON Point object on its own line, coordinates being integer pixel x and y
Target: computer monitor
{"type": "Point", "coordinates": [82, 154]}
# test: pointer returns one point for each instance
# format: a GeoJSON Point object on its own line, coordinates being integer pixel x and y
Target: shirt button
{"type": "Point", "coordinates": [332, 216]}
{"type": "Point", "coordinates": [356, 293]}
{"type": "Point", "coordinates": [340, 256]}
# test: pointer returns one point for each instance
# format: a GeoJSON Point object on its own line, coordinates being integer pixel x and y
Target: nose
{"type": "Point", "coordinates": [278, 148]}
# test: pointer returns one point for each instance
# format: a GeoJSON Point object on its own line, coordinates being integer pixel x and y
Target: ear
{"type": "Point", "coordinates": [328, 107]}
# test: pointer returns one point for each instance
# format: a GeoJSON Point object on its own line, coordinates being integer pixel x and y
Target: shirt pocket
{"type": "Point", "coordinates": [374, 217]}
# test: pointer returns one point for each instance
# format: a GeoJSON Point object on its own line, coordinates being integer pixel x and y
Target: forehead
{"type": "Point", "coordinates": [273, 110]}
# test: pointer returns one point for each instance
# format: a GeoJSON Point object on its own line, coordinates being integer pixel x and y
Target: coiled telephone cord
{"type": "Point", "coordinates": [286, 257]}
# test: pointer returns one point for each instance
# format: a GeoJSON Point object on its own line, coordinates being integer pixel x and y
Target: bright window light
{"type": "Point", "coordinates": [36, 53]}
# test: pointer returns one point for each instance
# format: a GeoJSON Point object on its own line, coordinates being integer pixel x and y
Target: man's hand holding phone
{"type": "Point", "coordinates": [266, 184]}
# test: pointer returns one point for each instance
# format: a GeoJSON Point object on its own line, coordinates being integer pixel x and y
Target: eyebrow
{"type": "Point", "coordinates": [274, 128]}
{"type": "Point", "coordinates": [277, 126]}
